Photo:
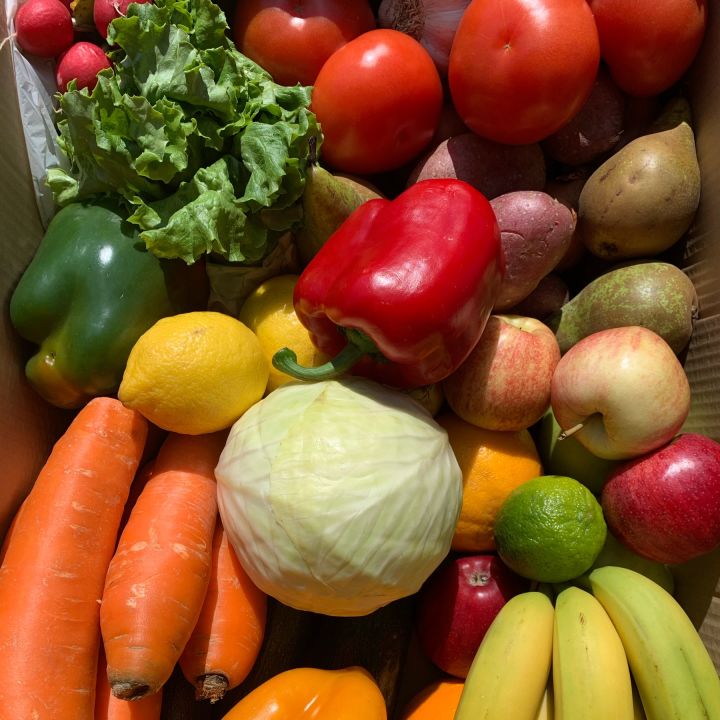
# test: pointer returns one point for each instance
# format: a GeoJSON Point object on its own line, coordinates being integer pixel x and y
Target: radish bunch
{"type": "Point", "coordinates": [44, 28]}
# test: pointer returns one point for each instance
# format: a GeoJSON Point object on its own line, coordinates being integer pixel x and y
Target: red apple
{"type": "Point", "coordinates": [622, 392]}
{"type": "Point", "coordinates": [665, 505]}
{"type": "Point", "coordinates": [457, 604]}
{"type": "Point", "coordinates": [504, 384]}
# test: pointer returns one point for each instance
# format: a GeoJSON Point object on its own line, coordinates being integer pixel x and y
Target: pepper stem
{"type": "Point", "coordinates": [359, 344]}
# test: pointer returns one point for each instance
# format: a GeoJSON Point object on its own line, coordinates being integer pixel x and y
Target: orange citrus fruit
{"type": "Point", "coordinates": [437, 701]}
{"type": "Point", "coordinates": [493, 463]}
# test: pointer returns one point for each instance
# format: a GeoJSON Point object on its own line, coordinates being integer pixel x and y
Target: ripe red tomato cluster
{"type": "Point", "coordinates": [519, 69]}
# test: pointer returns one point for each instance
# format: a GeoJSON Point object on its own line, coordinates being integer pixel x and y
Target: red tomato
{"type": "Point", "coordinates": [648, 45]}
{"type": "Point", "coordinates": [291, 39]}
{"type": "Point", "coordinates": [378, 101]}
{"type": "Point", "coordinates": [520, 69]}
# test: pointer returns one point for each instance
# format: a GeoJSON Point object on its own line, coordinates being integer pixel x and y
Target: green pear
{"type": "Point", "coordinates": [656, 295]}
{"type": "Point", "coordinates": [328, 200]}
{"type": "Point", "coordinates": [642, 199]}
{"type": "Point", "coordinates": [568, 457]}
{"type": "Point", "coordinates": [615, 553]}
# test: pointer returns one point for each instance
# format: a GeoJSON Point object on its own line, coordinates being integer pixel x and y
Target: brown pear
{"type": "Point", "coordinates": [328, 200]}
{"type": "Point", "coordinates": [642, 200]}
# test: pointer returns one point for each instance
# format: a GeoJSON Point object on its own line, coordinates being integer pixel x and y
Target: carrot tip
{"type": "Point", "coordinates": [130, 690]}
{"type": "Point", "coordinates": [211, 687]}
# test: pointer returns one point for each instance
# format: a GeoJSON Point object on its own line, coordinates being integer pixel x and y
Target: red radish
{"type": "Point", "coordinates": [44, 28]}
{"type": "Point", "coordinates": [105, 11]}
{"type": "Point", "coordinates": [82, 62]}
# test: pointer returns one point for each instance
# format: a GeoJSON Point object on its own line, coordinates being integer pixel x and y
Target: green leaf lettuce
{"type": "Point", "coordinates": [207, 151]}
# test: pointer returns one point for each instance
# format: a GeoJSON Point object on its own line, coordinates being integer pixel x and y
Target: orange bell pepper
{"type": "Point", "coordinates": [314, 694]}
{"type": "Point", "coordinates": [437, 701]}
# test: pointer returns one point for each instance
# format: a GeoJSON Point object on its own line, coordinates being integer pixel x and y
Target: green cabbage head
{"type": "Point", "coordinates": [338, 496]}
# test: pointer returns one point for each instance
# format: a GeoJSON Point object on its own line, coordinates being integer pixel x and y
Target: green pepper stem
{"type": "Point", "coordinates": [285, 360]}
{"type": "Point", "coordinates": [359, 344]}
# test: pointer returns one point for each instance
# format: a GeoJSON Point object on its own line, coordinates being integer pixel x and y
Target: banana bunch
{"type": "Point", "coordinates": [624, 651]}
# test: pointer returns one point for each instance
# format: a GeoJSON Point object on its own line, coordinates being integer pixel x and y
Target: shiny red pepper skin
{"type": "Point", "coordinates": [418, 275]}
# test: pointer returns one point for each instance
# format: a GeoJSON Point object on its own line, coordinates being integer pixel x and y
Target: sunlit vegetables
{"type": "Point", "coordinates": [207, 150]}
{"type": "Point", "coordinates": [338, 496]}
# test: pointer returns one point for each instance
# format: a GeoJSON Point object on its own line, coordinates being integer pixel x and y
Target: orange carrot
{"type": "Point", "coordinates": [52, 575]}
{"type": "Point", "coordinates": [159, 575]}
{"type": "Point", "coordinates": [228, 635]}
{"type": "Point", "coordinates": [108, 707]}
{"type": "Point", "coordinates": [138, 485]}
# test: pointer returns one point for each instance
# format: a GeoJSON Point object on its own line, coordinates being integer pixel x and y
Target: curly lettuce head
{"type": "Point", "coordinates": [207, 151]}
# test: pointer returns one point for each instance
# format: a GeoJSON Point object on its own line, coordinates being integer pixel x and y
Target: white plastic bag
{"type": "Point", "coordinates": [35, 84]}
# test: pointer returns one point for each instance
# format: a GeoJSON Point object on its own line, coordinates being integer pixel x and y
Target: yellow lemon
{"type": "Point", "coordinates": [195, 372]}
{"type": "Point", "coordinates": [429, 396]}
{"type": "Point", "coordinates": [269, 313]}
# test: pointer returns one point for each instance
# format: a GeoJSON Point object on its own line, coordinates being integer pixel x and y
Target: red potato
{"type": "Point", "coordinates": [595, 130]}
{"type": "Point", "coordinates": [548, 297]}
{"type": "Point", "coordinates": [44, 28]}
{"type": "Point", "coordinates": [567, 190]}
{"type": "Point", "coordinates": [535, 232]}
{"type": "Point", "coordinates": [492, 168]}
{"type": "Point", "coordinates": [80, 62]}
{"type": "Point", "coordinates": [449, 125]}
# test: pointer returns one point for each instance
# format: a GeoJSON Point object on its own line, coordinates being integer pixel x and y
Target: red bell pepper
{"type": "Point", "coordinates": [402, 291]}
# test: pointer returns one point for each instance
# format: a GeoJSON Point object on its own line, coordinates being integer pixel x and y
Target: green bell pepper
{"type": "Point", "coordinates": [88, 294]}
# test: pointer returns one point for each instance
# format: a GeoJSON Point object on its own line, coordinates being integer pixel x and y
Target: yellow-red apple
{"type": "Point", "coordinates": [622, 392]}
{"type": "Point", "coordinates": [504, 384]}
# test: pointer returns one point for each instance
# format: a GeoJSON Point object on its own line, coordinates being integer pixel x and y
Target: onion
{"type": "Point", "coordinates": [432, 22]}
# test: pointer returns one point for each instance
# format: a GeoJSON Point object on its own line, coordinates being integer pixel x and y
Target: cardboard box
{"type": "Point", "coordinates": [383, 642]}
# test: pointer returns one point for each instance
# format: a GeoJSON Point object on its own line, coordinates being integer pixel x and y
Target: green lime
{"type": "Point", "coordinates": [550, 529]}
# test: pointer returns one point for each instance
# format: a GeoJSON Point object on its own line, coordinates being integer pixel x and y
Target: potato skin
{"type": "Point", "coordinates": [535, 232]}
{"type": "Point", "coordinates": [490, 167]}
{"type": "Point", "coordinates": [595, 130]}
{"type": "Point", "coordinates": [567, 190]}
{"type": "Point", "coordinates": [549, 295]}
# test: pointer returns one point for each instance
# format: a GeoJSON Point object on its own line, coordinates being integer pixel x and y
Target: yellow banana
{"type": "Point", "coordinates": [675, 677]}
{"type": "Point", "coordinates": [547, 705]}
{"type": "Point", "coordinates": [591, 678]}
{"type": "Point", "coordinates": [638, 712]}
{"type": "Point", "coordinates": [509, 675]}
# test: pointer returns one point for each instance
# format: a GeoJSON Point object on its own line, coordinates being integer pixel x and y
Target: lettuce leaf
{"type": "Point", "coordinates": [207, 151]}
